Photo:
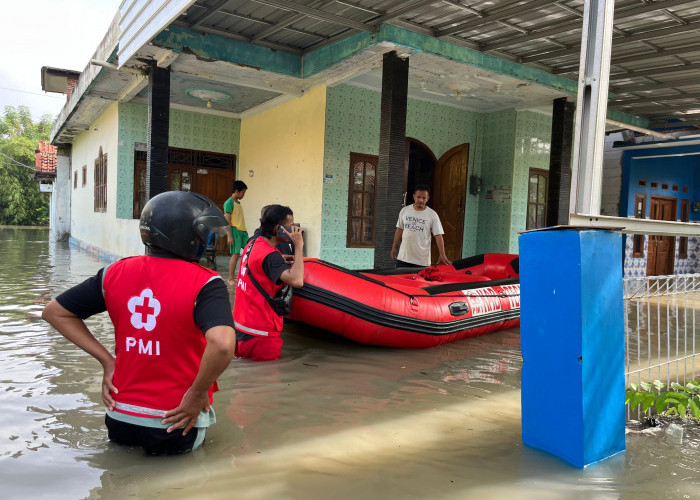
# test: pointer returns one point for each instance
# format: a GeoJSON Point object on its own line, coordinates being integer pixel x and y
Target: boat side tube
{"type": "Point", "coordinates": [388, 319]}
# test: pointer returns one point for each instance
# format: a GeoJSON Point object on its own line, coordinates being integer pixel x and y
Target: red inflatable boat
{"type": "Point", "coordinates": [411, 307]}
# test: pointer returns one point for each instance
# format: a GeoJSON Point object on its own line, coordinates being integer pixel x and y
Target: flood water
{"type": "Point", "coordinates": [330, 420]}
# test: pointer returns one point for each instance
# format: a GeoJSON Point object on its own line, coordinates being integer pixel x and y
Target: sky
{"type": "Point", "coordinates": [57, 33]}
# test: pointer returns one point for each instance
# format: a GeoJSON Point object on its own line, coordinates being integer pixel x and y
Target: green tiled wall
{"type": "Point", "coordinates": [514, 142]}
{"type": "Point", "coordinates": [187, 130]}
{"type": "Point", "coordinates": [498, 134]}
{"type": "Point", "coordinates": [533, 134]}
{"type": "Point", "coordinates": [352, 125]}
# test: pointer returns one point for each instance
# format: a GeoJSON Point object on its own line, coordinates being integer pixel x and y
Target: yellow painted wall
{"type": "Point", "coordinates": [281, 161]}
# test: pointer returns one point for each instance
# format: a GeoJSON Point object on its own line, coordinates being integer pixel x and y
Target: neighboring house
{"type": "Point", "coordinates": [661, 180]}
{"type": "Point", "coordinates": [304, 131]}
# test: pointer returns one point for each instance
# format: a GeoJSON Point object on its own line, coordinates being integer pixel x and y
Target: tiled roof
{"type": "Point", "coordinates": [46, 159]}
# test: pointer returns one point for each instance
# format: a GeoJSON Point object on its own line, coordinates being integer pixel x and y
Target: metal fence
{"type": "Point", "coordinates": [660, 338]}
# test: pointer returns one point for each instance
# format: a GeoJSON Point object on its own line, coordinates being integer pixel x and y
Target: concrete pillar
{"type": "Point", "coordinates": [572, 340]}
{"type": "Point", "coordinates": [61, 197]}
{"type": "Point", "coordinates": [158, 129]}
{"type": "Point", "coordinates": [392, 156]}
{"type": "Point", "coordinates": [559, 186]}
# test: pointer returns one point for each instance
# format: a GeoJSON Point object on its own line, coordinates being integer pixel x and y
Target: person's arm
{"type": "Point", "coordinates": [229, 236]}
{"type": "Point", "coordinates": [294, 276]}
{"type": "Point", "coordinates": [74, 329]}
{"type": "Point", "coordinates": [397, 242]}
{"type": "Point", "coordinates": [227, 216]}
{"type": "Point", "coordinates": [441, 249]}
{"type": "Point", "coordinates": [221, 344]}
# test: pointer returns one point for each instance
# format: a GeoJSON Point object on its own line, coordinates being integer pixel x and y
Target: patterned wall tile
{"type": "Point", "coordinates": [186, 130]}
{"type": "Point", "coordinates": [533, 134]}
{"type": "Point", "coordinates": [691, 264]}
{"type": "Point", "coordinates": [634, 267]}
{"type": "Point", "coordinates": [514, 143]}
{"type": "Point", "coordinates": [637, 267]}
{"type": "Point", "coordinates": [501, 144]}
{"type": "Point", "coordinates": [497, 152]}
{"type": "Point", "coordinates": [352, 125]}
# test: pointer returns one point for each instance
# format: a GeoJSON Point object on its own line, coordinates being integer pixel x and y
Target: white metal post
{"type": "Point", "coordinates": [591, 107]}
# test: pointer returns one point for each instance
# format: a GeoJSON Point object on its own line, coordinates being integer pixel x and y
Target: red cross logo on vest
{"type": "Point", "coordinates": [144, 310]}
{"type": "Point", "coordinates": [243, 267]}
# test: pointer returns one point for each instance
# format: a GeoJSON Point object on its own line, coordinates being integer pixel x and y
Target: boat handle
{"type": "Point", "coordinates": [413, 301]}
{"type": "Point", "coordinates": [459, 308]}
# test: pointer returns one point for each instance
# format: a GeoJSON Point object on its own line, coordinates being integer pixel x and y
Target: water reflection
{"type": "Point", "coordinates": [332, 419]}
{"type": "Point", "coordinates": [49, 425]}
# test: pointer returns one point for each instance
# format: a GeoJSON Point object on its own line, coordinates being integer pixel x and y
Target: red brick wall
{"type": "Point", "coordinates": [46, 158]}
{"type": "Point", "coordinates": [70, 86]}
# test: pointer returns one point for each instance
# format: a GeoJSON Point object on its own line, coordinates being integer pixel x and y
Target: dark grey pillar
{"type": "Point", "coordinates": [158, 125]}
{"type": "Point", "coordinates": [560, 162]}
{"type": "Point", "coordinates": [392, 156]}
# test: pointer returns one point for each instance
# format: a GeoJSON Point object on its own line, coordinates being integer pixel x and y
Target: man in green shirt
{"type": "Point", "coordinates": [238, 234]}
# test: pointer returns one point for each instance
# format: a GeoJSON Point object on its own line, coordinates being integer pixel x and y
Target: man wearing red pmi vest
{"type": "Point", "coordinates": [258, 326]}
{"type": "Point", "coordinates": [172, 325]}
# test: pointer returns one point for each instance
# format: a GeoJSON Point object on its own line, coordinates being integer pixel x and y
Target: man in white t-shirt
{"type": "Point", "coordinates": [416, 224]}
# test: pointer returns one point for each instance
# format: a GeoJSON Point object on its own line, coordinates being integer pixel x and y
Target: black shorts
{"type": "Point", "coordinates": [155, 441]}
{"type": "Point", "coordinates": [400, 263]}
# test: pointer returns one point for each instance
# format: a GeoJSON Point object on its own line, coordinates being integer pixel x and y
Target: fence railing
{"type": "Point", "coordinates": [660, 337]}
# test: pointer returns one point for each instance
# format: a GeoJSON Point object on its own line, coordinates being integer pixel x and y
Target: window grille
{"type": "Point", "coordinates": [361, 200]}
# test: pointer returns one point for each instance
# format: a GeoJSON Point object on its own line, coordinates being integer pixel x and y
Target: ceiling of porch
{"type": "Point", "coordinates": [655, 69]}
{"type": "Point", "coordinates": [431, 79]}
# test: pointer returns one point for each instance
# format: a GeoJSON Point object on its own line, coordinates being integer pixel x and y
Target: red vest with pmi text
{"type": "Point", "coordinates": [158, 345]}
{"type": "Point", "coordinates": [252, 314]}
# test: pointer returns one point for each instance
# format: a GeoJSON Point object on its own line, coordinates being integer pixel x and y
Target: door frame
{"type": "Point", "coordinates": [463, 200]}
{"type": "Point", "coordinates": [407, 158]}
{"type": "Point", "coordinates": [672, 239]}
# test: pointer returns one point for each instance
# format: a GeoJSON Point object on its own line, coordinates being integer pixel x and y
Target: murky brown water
{"type": "Point", "coordinates": [331, 420]}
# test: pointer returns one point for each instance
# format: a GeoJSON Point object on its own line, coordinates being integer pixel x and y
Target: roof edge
{"type": "Point", "coordinates": [106, 51]}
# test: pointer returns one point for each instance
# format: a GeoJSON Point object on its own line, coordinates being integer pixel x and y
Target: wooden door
{"type": "Point", "coordinates": [207, 173]}
{"type": "Point", "coordinates": [662, 249]}
{"type": "Point", "coordinates": [449, 198]}
{"type": "Point", "coordinates": [140, 193]}
{"type": "Point", "coordinates": [216, 185]}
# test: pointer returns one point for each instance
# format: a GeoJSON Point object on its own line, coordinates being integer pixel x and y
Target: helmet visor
{"type": "Point", "coordinates": [209, 220]}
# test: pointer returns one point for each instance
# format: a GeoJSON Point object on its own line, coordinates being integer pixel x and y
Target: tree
{"type": "Point", "coordinates": [21, 203]}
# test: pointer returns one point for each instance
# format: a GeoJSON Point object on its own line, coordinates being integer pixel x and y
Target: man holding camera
{"type": "Point", "coordinates": [258, 326]}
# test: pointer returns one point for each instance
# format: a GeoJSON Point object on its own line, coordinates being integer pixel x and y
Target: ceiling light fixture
{"type": "Point", "coordinates": [209, 95]}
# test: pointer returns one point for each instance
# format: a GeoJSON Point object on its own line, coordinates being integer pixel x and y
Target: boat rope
{"type": "Point", "coordinates": [500, 295]}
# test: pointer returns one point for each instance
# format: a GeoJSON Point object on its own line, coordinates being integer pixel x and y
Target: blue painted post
{"type": "Point", "coordinates": [572, 340]}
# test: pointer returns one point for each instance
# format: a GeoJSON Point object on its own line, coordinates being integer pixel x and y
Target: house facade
{"type": "Point", "coordinates": [305, 132]}
{"type": "Point", "coordinates": [300, 153]}
{"type": "Point", "coordinates": [660, 181]}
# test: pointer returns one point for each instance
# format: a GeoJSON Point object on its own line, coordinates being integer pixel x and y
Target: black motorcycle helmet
{"type": "Point", "coordinates": [179, 222]}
